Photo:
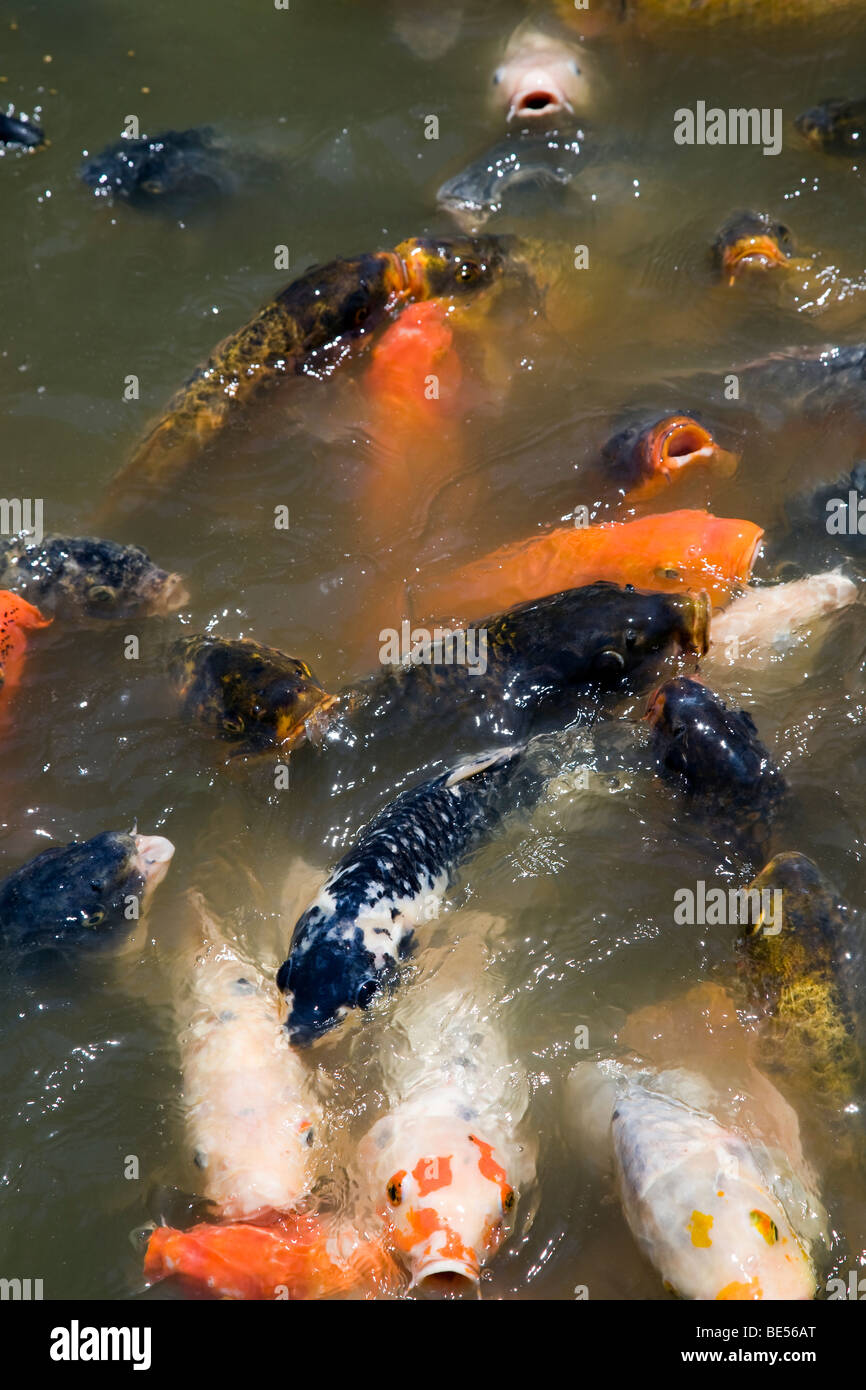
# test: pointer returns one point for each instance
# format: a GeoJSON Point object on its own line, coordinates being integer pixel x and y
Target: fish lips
{"type": "Point", "coordinates": [538, 101]}
{"type": "Point", "coordinates": [153, 855]}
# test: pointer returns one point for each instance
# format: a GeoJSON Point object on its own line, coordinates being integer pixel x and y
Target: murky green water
{"type": "Point", "coordinates": [93, 294]}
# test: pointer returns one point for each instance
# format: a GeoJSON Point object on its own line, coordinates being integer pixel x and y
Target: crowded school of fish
{"type": "Point", "coordinates": [692, 1116]}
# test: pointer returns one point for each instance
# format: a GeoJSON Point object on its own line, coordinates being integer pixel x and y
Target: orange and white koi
{"type": "Point", "coordinates": [444, 1165]}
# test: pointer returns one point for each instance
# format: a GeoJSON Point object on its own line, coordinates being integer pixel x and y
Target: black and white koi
{"type": "Point", "coordinates": [351, 939]}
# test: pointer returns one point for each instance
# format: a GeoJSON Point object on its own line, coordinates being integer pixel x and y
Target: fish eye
{"type": "Point", "coordinates": [468, 271]}
{"type": "Point", "coordinates": [765, 1225]}
{"type": "Point", "coordinates": [611, 660]}
{"type": "Point", "coordinates": [365, 993]}
{"type": "Point", "coordinates": [233, 724]}
{"type": "Point", "coordinates": [101, 593]}
{"type": "Point", "coordinates": [94, 918]}
{"type": "Point", "coordinates": [395, 1191]}
{"type": "Point", "coordinates": [361, 315]}
{"type": "Point", "coordinates": [508, 1200]}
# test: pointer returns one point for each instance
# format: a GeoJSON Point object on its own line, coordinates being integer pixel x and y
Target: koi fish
{"type": "Point", "coordinates": [299, 1256]}
{"type": "Point", "coordinates": [697, 1195]}
{"type": "Point", "coordinates": [17, 618]}
{"type": "Point", "coordinates": [765, 624]}
{"type": "Point", "coordinates": [418, 341]}
{"type": "Point", "coordinates": [351, 939]}
{"type": "Point", "coordinates": [251, 1115]}
{"type": "Point", "coordinates": [540, 77]}
{"type": "Point", "coordinates": [644, 460]}
{"type": "Point", "coordinates": [80, 892]}
{"type": "Point", "coordinates": [690, 550]}
{"type": "Point", "coordinates": [751, 241]}
{"type": "Point", "coordinates": [712, 753]}
{"type": "Point", "coordinates": [413, 383]}
{"type": "Point", "coordinates": [311, 324]}
{"type": "Point", "coordinates": [705, 1152]}
{"type": "Point", "coordinates": [445, 1164]}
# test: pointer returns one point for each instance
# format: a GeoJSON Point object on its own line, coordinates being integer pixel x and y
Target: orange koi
{"type": "Point", "coordinates": [413, 384]}
{"type": "Point", "coordinates": [690, 550]}
{"type": "Point", "coordinates": [295, 1256]}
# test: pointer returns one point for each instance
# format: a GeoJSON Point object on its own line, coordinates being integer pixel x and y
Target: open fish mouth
{"type": "Point", "coordinates": [676, 445]}
{"type": "Point", "coordinates": [682, 442]}
{"type": "Point", "coordinates": [292, 729]}
{"type": "Point", "coordinates": [537, 100]}
{"type": "Point", "coordinates": [449, 1277]}
{"type": "Point", "coordinates": [752, 253]}
{"type": "Point", "coordinates": [153, 854]}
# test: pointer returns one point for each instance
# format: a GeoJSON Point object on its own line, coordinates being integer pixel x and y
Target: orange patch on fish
{"type": "Point", "coordinates": [425, 1223]}
{"type": "Point", "coordinates": [417, 346]}
{"type": "Point", "coordinates": [293, 1257]}
{"type": "Point", "coordinates": [698, 1228]}
{"type": "Point", "coordinates": [432, 1173]}
{"type": "Point", "coordinates": [412, 394]}
{"type": "Point", "coordinates": [740, 1292]}
{"type": "Point", "coordinates": [490, 1169]}
{"type": "Point", "coordinates": [17, 617]}
{"type": "Point", "coordinates": [690, 550]}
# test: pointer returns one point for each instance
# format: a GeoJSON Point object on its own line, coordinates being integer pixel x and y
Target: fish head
{"type": "Point", "coordinates": [82, 890]}
{"type": "Point", "coordinates": [643, 459]}
{"type": "Point", "coordinates": [446, 1198]}
{"type": "Point", "coordinates": [751, 241]}
{"type": "Point", "coordinates": [540, 78]}
{"type": "Point", "coordinates": [729, 1237]}
{"type": "Point", "coordinates": [705, 745]}
{"type": "Point", "coordinates": [799, 932]}
{"type": "Point", "coordinates": [100, 580]}
{"type": "Point", "coordinates": [249, 693]}
{"type": "Point", "coordinates": [454, 266]}
{"type": "Point", "coordinates": [604, 634]}
{"type": "Point", "coordinates": [329, 971]}
{"type": "Point", "coordinates": [154, 169]}
{"type": "Point", "coordinates": [701, 1198]}
{"type": "Point", "coordinates": [837, 126]}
